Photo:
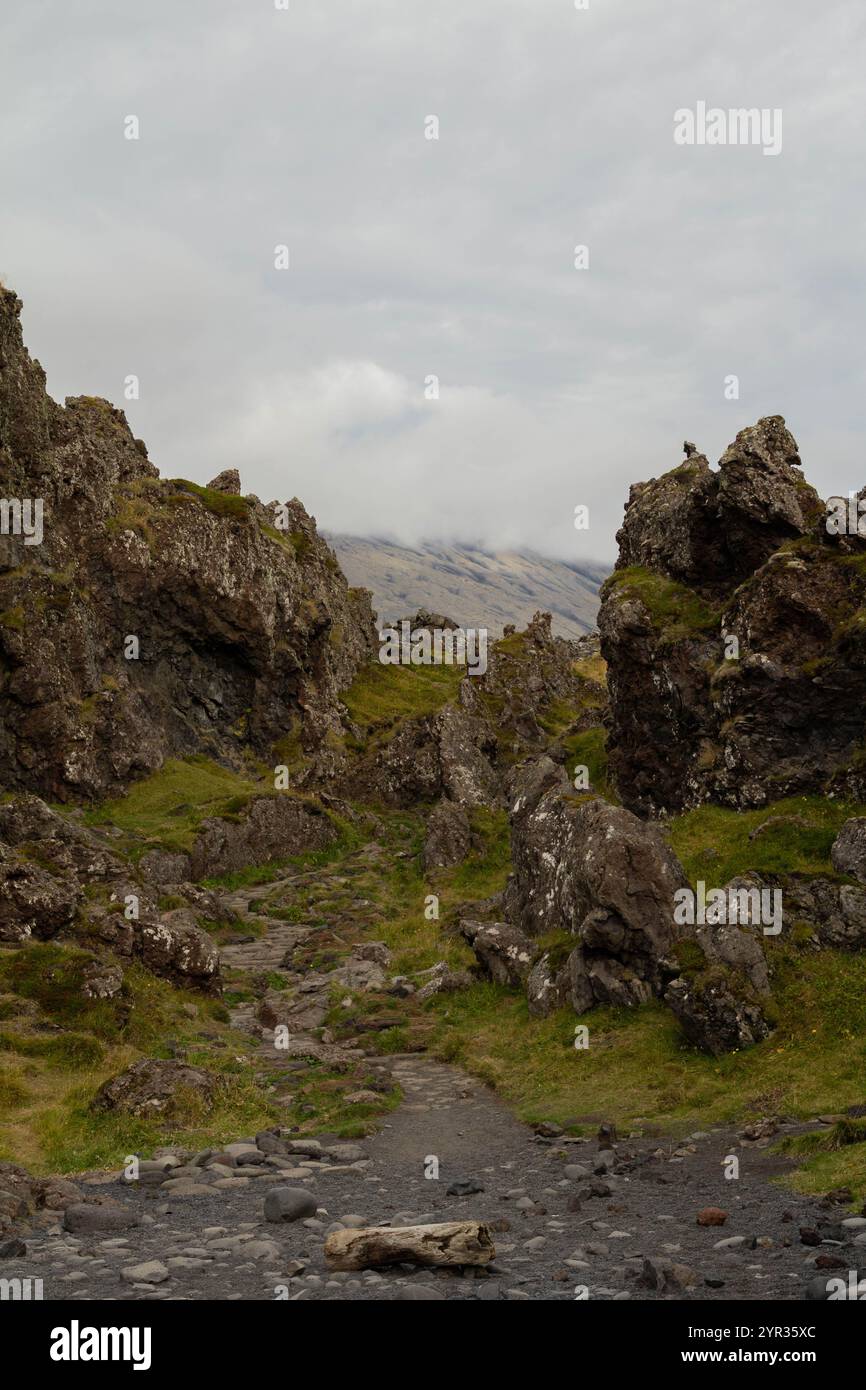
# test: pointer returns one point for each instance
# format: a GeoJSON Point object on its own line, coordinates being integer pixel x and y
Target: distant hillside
{"type": "Point", "coordinates": [477, 588]}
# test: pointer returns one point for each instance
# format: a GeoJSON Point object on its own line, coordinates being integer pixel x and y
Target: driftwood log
{"type": "Point", "coordinates": [446, 1243]}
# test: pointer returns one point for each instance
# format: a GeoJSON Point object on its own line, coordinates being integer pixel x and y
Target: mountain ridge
{"type": "Point", "coordinates": [474, 585]}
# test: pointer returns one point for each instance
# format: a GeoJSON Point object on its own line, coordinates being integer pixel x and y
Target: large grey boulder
{"type": "Point", "coordinates": [593, 871]}
{"type": "Point", "coordinates": [91, 1218]}
{"type": "Point", "coordinates": [177, 949]}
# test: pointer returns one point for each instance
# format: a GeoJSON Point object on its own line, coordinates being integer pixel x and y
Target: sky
{"type": "Point", "coordinates": [412, 258]}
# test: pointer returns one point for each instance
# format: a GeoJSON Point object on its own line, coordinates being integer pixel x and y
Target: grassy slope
{"type": "Point", "coordinates": [167, 807]}
{"type": "Point", "coordinates": [48, 1074]}
{"type": "Point", "coordinates": [637, 1070]}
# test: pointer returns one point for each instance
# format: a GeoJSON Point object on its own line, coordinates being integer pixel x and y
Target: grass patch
{"type": "Point", "coordinates": [168, 807]}
{"type": "Point", "coordinates": [589, 750]}
{"type": "Point", "coordinates": [639, 1071]}
{"type": "Point", "coordinates": [676, 612]}
{"type": "Point", "coordinates": [381, 696]}
{"type": "Point", "coordinates": [220, 503]}
{"type": "Point", "coordinates": [714, 840]}
{"type": "Point", "coordinates": [58, 1047]}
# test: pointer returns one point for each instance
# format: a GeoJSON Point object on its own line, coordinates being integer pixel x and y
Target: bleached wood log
{"type": "Point", "coordinates": [445, 1243]}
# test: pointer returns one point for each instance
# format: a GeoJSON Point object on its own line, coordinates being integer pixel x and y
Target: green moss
{"type": "Point", "coordinates": [557, 946]}
{"type": "Point", "coordinates": [13, 618]}
{"type": "Point", "coordinates": [676, 612]}
{"type": "Point", "coordinates": [226, 504]}
{"type": "Point", "coordinates": [690, 958]}
{"type": "Point", "coordinates": [512, 645]}
{"type": "Point", "coordinates": [300, 543]}
{"type": "Point", "coordinates": [132, 513]}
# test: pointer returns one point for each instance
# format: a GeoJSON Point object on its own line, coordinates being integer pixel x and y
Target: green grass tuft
{"type": "Point", "coordinates": [676, 612]}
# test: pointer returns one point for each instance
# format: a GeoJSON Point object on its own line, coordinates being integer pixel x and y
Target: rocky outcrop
{"type": "Point", "coordinates": [449, 836]}
{"type": "Point", "coordinates": [447, 754]}
{"type": "Point", "coordinates": [734, 635]}
{"type": "Point", "coordinates": [713, 1016]}
{"type": "Point", "coordinates": [34, 903]}
{"type": "Point", "coordinates": [156, 1088]}
{"type": "Point", "coordinates": [816, 912]}
{"type": "Point", "coordinates": [593, 876]}
{"type": "Point", "coordinates": [848, 853]}
{"type": "Point", "coordinates": [153, 616]}
{"type": "Point", "coordinates": [593, 870]}
{"type": "Point", "coordinates": [269, 827]}
{"type": "Point", "coordinates": [527, 673]}
{"type": "Point", "coordinates": [178, 950]}
{"type": "Point", "coordinates": [592, 911]}
{"type": "Point", "coordinates": [62, 880]}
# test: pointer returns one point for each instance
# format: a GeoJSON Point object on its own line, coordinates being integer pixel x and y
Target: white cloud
{"type": "Point", "coordinates": [412, 257]}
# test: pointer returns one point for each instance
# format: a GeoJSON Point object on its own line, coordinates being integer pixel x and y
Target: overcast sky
{"type": "Point", "coordinates": [454, 257]}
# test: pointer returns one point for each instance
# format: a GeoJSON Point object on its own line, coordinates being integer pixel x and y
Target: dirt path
{"type": "Point", "coordinates": [565, 1217]}
{"type": "Point", "coordinates": [569, 1218]}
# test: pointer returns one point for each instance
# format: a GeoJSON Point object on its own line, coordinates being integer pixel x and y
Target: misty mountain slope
{"type": "Point", "coordinates": [475, 587]}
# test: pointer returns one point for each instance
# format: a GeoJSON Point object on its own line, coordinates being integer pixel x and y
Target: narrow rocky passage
{"type": "Point", "coordinates": [571, 1218]}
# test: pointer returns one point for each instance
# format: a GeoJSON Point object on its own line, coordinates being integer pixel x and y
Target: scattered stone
{"type": "Point", "coordinates": [150, 1272]}
{"type": "Point", "coordinates": [289, 1204]}
{"type": "Point", "coordinates": [86, 1218]}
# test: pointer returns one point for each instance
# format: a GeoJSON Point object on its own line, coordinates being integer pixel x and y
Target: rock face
{"type": "Point", "coordinates": [449, 836]}
{"type": "Point", "coordinates": [526, 673]}
{"type": "Point", "coordinates": [47, 865]}
{"type": "Point", "coordinates": [741, 553]}
{"type": "Point", "coordinates": [153, 617]}
{"type": "Point", "coordinates": [849, 849]}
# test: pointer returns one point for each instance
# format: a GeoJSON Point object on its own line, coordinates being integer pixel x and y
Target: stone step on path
{"type": "Point", "coordinates": [272, 951]}
{"type": "Point", "coordinates": [566, 1217]}
{"type": "Point", "coordinates": [264, 953]}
